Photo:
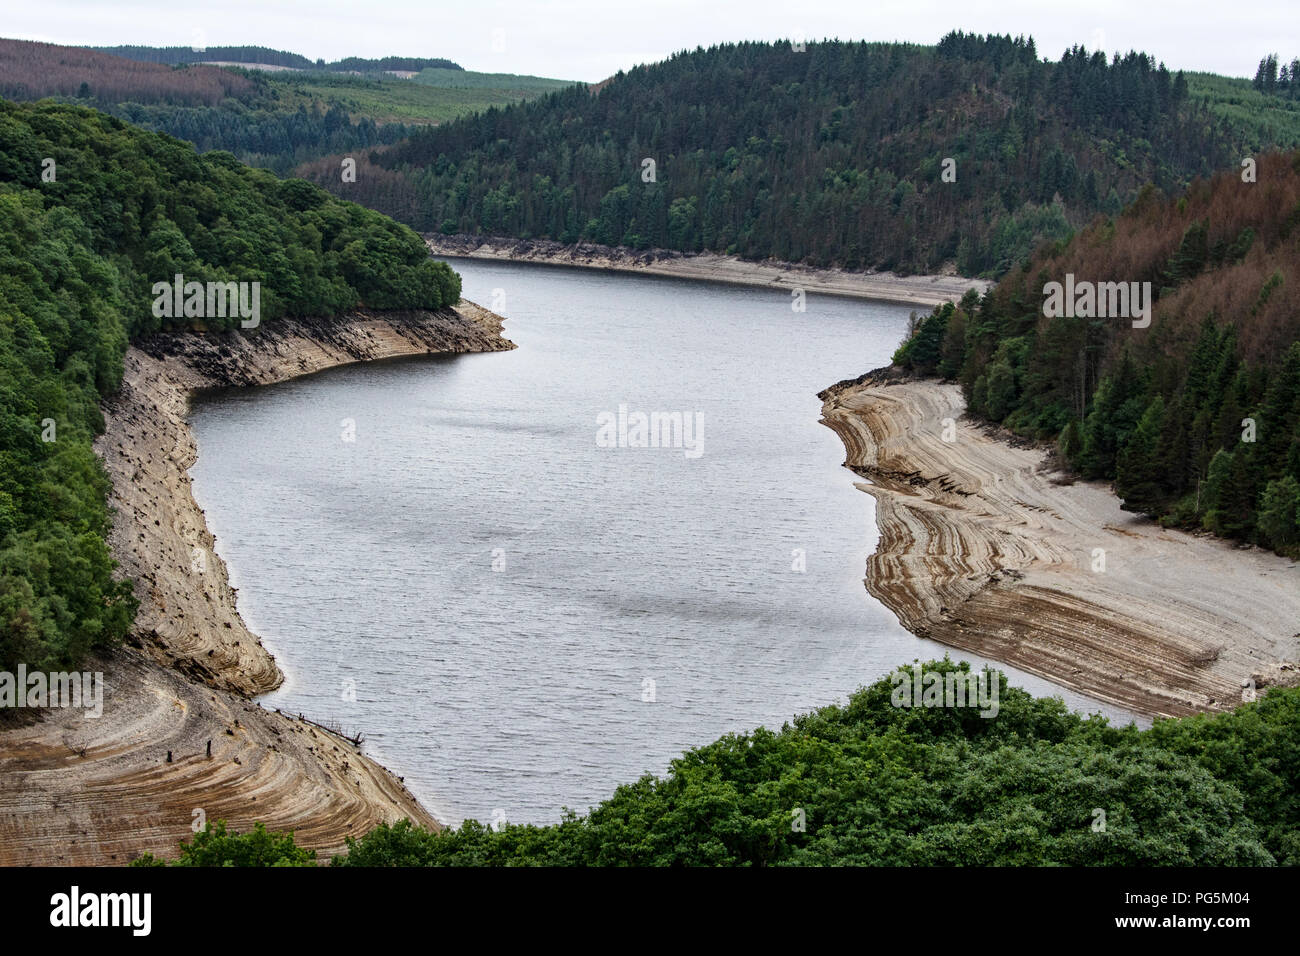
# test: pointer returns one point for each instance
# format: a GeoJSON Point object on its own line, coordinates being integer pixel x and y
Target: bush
{"type": "Point", "coordinates": [214, 846]}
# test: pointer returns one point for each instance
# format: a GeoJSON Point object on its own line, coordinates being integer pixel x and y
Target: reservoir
{"type": "Point", "coordinates": [473, 560]}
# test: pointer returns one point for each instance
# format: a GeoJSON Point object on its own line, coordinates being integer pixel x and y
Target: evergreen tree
{"type": "Point", "coordinates": [1139, 473]}
{"type": "Point", "coordinates": [1279, 515]}
{"type": "Point", "coordinates": [1116, 408]}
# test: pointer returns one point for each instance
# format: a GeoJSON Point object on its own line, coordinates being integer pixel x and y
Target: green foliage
{"type": "Point", "coordinates": [1263, 119]}
{"type": "Point", "coordinates": [869, 783]}
{"type": "Point", "coordinates": [213, 846]}
{"type": "Point", "coordinates": [388, 109]}
{"type": "Point", "coordinates": [445, 78]}
{"type": "Point", "coordinates": [1070, 442]}
{"type": "Point", "coordinates": [762, 151]}
{"type": "Point", "coordinates": [1138, 472]}
{"type": "Point", "coordinates": [78, 259]}
{"type": "Point", "coordinates": [1279, 515]}
{"type": "Point", "coordinates": [288, 122]}
{"type": "Point", "coordinates": [1253, 749]}
{"type": "Point", "coordinates": [62, 336]}
{"type": "Point", "coordinates": [1191, 255]}
{"type": "Point", "coordinates": [1278, 82]}
{"type": "Point", "coordinates": [921, 351]}
{"type": "Point", "coordinates": [1228, 494]}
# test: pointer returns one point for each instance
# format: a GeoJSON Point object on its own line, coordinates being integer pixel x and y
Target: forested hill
{"type": "Point", "coordinates": [276, 120]}
{"type": "Point", "coordinates": [262, 121]}
{"type": "Point", "coordinates": [1196, 417]}
{"type": "Point", "coordinates": [30, 70]}
{"type": "Point", "coordinates": [177, 55]}
{"type": "Point", "coordinates": [93, 213]}
{"type": "Point", "coordinates": [831, 156]}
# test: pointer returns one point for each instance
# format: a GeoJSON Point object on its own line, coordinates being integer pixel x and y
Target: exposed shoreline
{"type": "Point", "coordinates": [77, 791]}
{"type": "Point", "coordinates": [984, 547]}
{"type": "Point", "coordinates": [927, 291]}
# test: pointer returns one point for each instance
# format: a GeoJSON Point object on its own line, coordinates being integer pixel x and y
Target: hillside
{"type": "Point", "coordinates": [82, 244]}
{"type": "Point", "coordinates": [274, 120]}
{"type": "Point", "coordinates": [430, 97]}
{"type": "Point", "coordinates": [29, 71]}
{"type": "Point", "coordinates": [1196, 416]}
{"type": "Point", "coordinates": [260, 55]}
{"type": "Point", "coordinates": [469, 80]}
{"type": "Point", "coordinates": [833, 156]}
{"type": "Point", "coordinates": [1264, 119]}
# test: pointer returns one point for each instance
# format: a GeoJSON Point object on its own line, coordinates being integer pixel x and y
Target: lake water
{"type": "Point", "coordinates": [442, 553]}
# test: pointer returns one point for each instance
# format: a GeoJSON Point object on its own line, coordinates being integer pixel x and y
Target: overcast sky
{"type": "Point", "coordinates": [592, 39]}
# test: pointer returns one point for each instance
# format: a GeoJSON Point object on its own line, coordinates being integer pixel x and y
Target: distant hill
{"type": "Point", "coordinates": [469, 80]}
{"type": "Point", "coordinates": [277, 120]}
{"type": "Point", "coordinates": [177, 55]}
{"type": "Point", "coordinates": [835, 155]}
{"type": "Point", "coordinates": [422, 99]}
{"type": "Point", "coordinates": [33, 70]}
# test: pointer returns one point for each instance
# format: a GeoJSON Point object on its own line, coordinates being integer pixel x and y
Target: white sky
{"type": "Point", "coordinates": [592, 39]}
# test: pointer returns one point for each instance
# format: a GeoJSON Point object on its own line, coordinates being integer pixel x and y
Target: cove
{"type": "Point", "coordinates": [520, 619]}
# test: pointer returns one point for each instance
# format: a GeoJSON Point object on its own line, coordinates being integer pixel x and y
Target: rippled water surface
{"type": "Point", "coordinates": [525, 618]}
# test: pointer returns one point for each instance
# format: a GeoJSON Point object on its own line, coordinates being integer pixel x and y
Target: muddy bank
{"type": "Point", "coordinates": [99, 791]}
{"type": "Point", "coordinates": [984, 547]}
{"type": "Point", "coordinates": [927, 291]}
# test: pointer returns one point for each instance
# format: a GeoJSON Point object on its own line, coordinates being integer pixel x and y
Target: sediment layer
{"type": "Point", "coordinates": [986, 547]}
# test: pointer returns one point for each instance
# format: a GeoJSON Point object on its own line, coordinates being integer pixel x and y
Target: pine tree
{"type": "Point", "coordinates": [1191, 255]}
{"type": "Point", "coordinates": [1117, 406]}
{"type": "Point", "coordinates": [1139, 471]}
{"type": "Point", "coordinates": [1071, 441]}
{"type": "Point", "coordinates": [1279, 416]}
{"type": "Point", "coordinates": [952, 351]}
{"type": "Point", "coordinates": [1230, 492]}
{"type": "Point", "coordinates": [1279, 515]}
{"type": "Point", "coordinates": [1173, 451]}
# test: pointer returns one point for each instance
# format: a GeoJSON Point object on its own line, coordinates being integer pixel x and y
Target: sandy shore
{"type": "Point", "coordinates": [927, 291]}
{"type": "Point", "coordinates": [984, 547]}
{"type": "Point", "coordinates": [100, 791]}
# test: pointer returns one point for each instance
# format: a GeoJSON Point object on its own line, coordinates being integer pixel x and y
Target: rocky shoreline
{"type": "Point", "coordinates": [984, 546]}
{"type": "Point", "coordinates": [100, 791]}
{"type": "Point", "coordinates": [927, 291]}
